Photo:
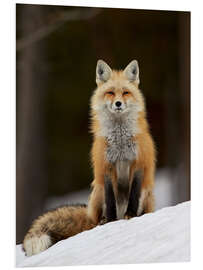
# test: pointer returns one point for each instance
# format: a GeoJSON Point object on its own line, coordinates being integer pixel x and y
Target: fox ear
{"type": "Point", "coordinates": [103, 72]}
{"type": "Point", "coordinates": [132, 71]}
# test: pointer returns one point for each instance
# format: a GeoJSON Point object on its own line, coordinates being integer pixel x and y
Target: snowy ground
{"type": "Point", "coordinates": [163, 236]}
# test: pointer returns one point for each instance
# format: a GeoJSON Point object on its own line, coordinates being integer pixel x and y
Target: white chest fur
{"type": "Point", "coordinates": [120, 147]}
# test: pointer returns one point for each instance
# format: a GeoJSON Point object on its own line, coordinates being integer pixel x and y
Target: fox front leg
{"type": "Point", "coordinates": [110, 203]}
{"type": "Point", "coordinates": [134, 195]}
{"type": "Point", "coordinates": [116, 200]}
{"type": "Point", "coordinates": [122, 199]}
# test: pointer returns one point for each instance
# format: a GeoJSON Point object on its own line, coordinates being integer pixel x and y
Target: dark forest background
{"type": "Point", "coordinates": [57, 48]}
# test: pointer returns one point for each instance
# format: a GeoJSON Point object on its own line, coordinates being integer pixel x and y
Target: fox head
{"type": "Point", "coordinates": [117, 92]}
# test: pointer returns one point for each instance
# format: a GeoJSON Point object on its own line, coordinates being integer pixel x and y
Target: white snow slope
{"type": "Point", "coordinates": [163, 236]}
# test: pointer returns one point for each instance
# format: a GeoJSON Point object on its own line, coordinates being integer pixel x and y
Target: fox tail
{"type": "Point", "coordinates": [54, 226]}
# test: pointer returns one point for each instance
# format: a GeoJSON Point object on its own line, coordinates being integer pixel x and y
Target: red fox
{"type": "Point", "coordinates": [123, 152]}
{"type": "Point", "coordinates": [123, 159]}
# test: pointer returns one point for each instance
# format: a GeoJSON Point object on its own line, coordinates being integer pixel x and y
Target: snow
{"type": "Point", "coordinates": [162, 236]}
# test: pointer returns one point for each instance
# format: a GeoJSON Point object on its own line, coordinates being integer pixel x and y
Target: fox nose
{"type": "Point", "coordinates": [118, 103]}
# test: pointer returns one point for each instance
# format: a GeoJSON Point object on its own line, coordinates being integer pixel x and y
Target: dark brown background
{"type": "Point", "coordinates": [57, 49]}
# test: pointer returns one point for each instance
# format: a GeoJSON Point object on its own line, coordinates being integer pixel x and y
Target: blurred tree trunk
{"type": "Point", "coordinates": [30, 143]}
{"type": "Point", "coordinates": [184, 65]}
{"type": "Point", "coordinates": [177, 118]}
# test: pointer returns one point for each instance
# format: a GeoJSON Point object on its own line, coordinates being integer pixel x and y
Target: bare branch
{"type": "Point", "coordinates": [43, 32]}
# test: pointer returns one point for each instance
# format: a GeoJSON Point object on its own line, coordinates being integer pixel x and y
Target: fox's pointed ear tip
{"type": "Point", "coordinates": [100, 61]}
{"type": "Point", "coordinates": [134, 61]}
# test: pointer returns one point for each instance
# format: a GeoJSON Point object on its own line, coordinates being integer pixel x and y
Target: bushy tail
{"type": "Point", "coordinates": [54, 226]}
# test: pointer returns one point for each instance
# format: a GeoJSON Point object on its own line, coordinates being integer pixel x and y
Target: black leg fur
{"type": "Point", "coordinates": [109, 200]}
{"type": "Point", "coordinates": [134, 195]}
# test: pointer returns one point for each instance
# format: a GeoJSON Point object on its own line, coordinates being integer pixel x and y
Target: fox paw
{"type": "Point", "coordinates": [103, 221]}
{"type": "Point", "coordinates": [35, 244]}
{"type": "Point", "coordinates": [128, 217]}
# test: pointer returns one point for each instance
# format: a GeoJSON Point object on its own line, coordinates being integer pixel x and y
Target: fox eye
{"type": "Point", "coordinates": [125, 92]}
{"type": "Point", "coordinates": [110, 93]}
